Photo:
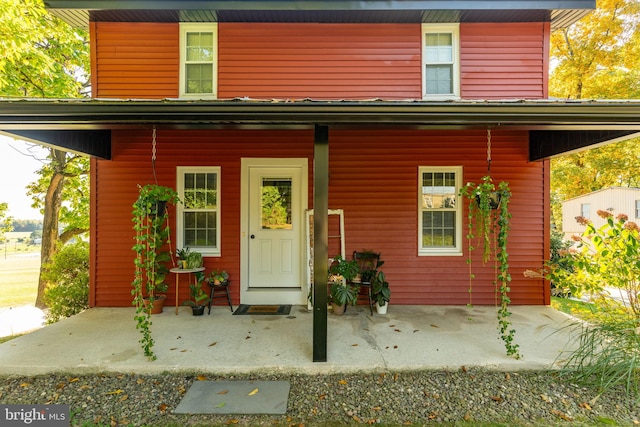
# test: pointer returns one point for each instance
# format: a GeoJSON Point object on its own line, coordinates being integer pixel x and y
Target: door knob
{"type": "Point", "coordinates": [253, 236]}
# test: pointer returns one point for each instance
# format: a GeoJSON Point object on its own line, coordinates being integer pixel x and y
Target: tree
{"type": "Point", "coordinates": [45, 58]}
{"type": "Point", "coordinates": [597, 58]}
{"type": "Point", "coordinates": [5, 221]}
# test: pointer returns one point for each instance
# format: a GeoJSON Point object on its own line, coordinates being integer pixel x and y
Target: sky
{"type": "Point", "coordinates": [16, 171]}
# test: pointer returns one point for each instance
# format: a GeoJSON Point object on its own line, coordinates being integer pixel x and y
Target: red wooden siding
{"type": "Point", "coordinates": [503, 60]}
{"type": "Point", "coordinates": [116, 183]}
{"type": "Point", "coordinates": [320, 61]}
{"type": "Point", "coordinates": [373, 178]}
{"type": "Point", "coordinates": [135, 60]}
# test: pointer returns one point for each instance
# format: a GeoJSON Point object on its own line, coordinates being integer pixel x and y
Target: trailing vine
{"type": "Point", "coordinates": [151, 225]}
{"type": "Point", "coordinates": [489, 221]}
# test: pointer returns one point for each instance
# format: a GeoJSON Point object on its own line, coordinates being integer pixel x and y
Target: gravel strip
{"type": "Point", "coordinates": [404, 398]}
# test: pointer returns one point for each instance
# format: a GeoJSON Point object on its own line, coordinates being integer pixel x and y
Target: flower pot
{"type": "Point", "coordinates": [158, 208]}
{"type": "Point", "coordinates": [338, 310]}
{"type": "Point", "coordinates": [381, 309]}
{"type": "Point", "coordinates": [494, 199]}
{"type": "Point", "coordinates": [158, 304]}
{"type": "Point", "coordinates": [183, 264]}
{"type": "Point", "coordinates": [198, 310]}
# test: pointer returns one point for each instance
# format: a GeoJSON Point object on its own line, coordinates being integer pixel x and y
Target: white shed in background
{"type": "Point", "coordinates": [617, 200]}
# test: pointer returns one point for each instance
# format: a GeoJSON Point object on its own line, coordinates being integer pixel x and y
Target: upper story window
{"type": "Point", "coordinates": [441, 61]}
{"type": "Point", "coordinates": [198, 60]}
{"type": "Point", "coordinates": [198, 225]}
{"type": "Point", "coordinates": [439, 211]}
{"type": "Point", "coordinates": [585, 210]}
{"type": "Point", "coordinates": [637, 208]}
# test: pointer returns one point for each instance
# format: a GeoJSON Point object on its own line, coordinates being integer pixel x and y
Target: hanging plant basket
{"type": "Point", "coordinates": [494, 198]}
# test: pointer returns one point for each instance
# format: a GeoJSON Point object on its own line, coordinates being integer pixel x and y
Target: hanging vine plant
{"type": "Point", "coordinates": [488, 224]}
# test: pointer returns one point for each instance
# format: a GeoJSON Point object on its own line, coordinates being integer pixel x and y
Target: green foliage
{"type": "Point", "coordinates": [489, 221]}
{"type": "Point", "coordinates": [198, 296]}
{"type": "Point", "coordinates": [151, 225]}
{"type": "Point", "coordinates": [67, 274]}
{"type": "Point", "coordinates": [275, 212]}
{"type": "Point", "coordinates": [608, 349]}
{"type": "Point", "coordinates": [343, 268]}
{"type": "Point", "coordinates": [380, 289]}
{"type": "Point", "coordinates": [27, 225]}
{"type": "Point", "coordinates": [6, 222]}
{"type": "Point", "coordinates": [344, 293]}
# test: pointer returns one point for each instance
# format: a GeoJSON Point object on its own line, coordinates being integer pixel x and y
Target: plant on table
{"type": "Point", "coordinates": [152, 238]}
{"type": "Point", "coordinates": [183, 254]}
{"type": "Point", "coordinates": [218, 277]}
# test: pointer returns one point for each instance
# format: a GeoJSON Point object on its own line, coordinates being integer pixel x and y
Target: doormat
{"type": "Point", "coordinates": [235, 397]}
{"type": "Point", "coordinates": [263, 309]}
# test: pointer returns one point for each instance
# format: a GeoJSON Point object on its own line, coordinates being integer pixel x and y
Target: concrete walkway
{"type": "Point", "coordinates": [407, 338]}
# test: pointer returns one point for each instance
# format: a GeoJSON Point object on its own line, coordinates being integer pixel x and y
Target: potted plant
{"type": "Point", "coordinates": [183, 254]}
{"type": "Point", "coordinates": [218, 277]}
{"type": "Point", "coordinates": [152, 243]}
{"type": "Point", "coordinates": [194, 260]}
{"type": "Point", "coordinates": [489, 221]}
{"type": "Point", "coordinates": [198, 298]}
{"type": "Point", "coordinates": [381, 292]}
{"type": "Point", "coordinates": [343, 290]}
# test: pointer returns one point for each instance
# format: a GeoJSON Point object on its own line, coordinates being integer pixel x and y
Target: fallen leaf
{"type": "Point", "coordinates": [354, 345]}
{"type": "Point", "coordinates": [586, 406]}
{"type": "Point", "coordinates": [74, 380]}
{"type": "Point", "coordinates": [561, 415]}
{"type": "Point", "coordinates": [113, 422]}
{"type": "Point", "coordinates": [416, 330]}
{"type": "Point", "coordinates": [467, 417]}
{"type": "Point", "coordinates": [213, 343]}
{"type": "Point", "coordinates": [116, 392]}
{"type": "Point", "coordinates": [219, 405]}
{"type": "Point", "coordinates": [174, 348]}
{"type": "Point", "coordinates": [162, 407]}
{"type": "Point", "coordinates": [120, 377]}
{"type": "Point", "coordinates": [545, 398]}
{"type": "Point", "coordinates": [396, 376]}
{"type": "Point", "coordinates": [123, 398]}
{"type": "Point", "coordinates": [85, 387]}
{"type": "Point", "coordinates": [61, 385]}
{"type": "Point", "coordinates": [201, 378]}
{"type": "Point", "coordinates": [392, 326]}
{"type": "Point", "coordinates": [507, 376]}
{"type": "Point", "coordinates": [434, 326]}
{"type": "Point", "coordinates": [223, 392]}
{"type": "Point", "coordinates": [232, 422]}
{"type": "Point", "coordinates": [395, 346]}
{"type": "Point", "coordinates": [342, 382]}
{"type": "Point", "coordinates": [397, 330]}
{"type": "Point", "coordinates": [322, 396]}
{"type": "Point", "coordinates": [253, 392]}
{"type": "Point", "coordinates": [463, 368]}
{"type": "Point", "coordinates": [24, 385]}
{"type": "Point", "coordinates": [636, 422]}
{"type": "Point", "coordinates": [496, 398]}
{"type": "Point", "coordinates": [376, 408]}
{"type": "Point", "coordinates": [183, 351]}
{"type": "Point", "coordinates": [247, 337]}
{"type": "Point", "coordinates": [182, 390]}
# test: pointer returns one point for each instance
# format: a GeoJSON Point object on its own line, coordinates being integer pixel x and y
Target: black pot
{"type": "Point", "coordinates": [494, 199]}
{"type": "Point", "coordinates": [158, 208]}
{"type": "Point", "coordinates": [198, 310]}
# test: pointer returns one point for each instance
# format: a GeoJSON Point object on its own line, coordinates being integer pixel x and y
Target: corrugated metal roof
{"type": "Point", "coordinates": [560, 13]}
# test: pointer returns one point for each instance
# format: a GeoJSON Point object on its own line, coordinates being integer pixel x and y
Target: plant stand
{"type": "Point", "coordinates": [178, 272]}
{"type": "Point", "coordinates": [221, 287]}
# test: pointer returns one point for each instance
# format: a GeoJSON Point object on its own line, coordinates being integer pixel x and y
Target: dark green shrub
{"type": "Point", "coordinates": [67, 275]}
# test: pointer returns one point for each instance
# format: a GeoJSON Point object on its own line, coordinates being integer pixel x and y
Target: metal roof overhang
{"type": "Point", "coordinates": [561, 13]}
{"type": "Point", "coordinates": [555, 127]}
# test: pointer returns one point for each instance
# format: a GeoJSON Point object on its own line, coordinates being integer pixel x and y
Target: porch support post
{"type": "Point", "coordinates": [320, 241]}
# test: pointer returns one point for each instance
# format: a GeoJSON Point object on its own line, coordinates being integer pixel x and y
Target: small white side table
{"type": "Point", "coordinates": [178, 272]}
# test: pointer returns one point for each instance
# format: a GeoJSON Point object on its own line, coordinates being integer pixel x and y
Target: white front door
{"type": "Point", "coordinates": [274, 202]}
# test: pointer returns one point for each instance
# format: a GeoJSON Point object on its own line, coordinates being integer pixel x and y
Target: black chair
{"type": "Point", "coordinates": [223, 290]}
{"type": "Point", "coordinates": [368, 263]}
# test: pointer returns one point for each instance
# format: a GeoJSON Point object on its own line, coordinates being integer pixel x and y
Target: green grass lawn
{"type": "Point", "coordinates": [580, 309]}
{"type": "Point", "coordinates": [19, 270]}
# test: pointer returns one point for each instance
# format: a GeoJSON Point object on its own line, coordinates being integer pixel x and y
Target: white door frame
{"type": "Point", "coordinates": [271, 295]}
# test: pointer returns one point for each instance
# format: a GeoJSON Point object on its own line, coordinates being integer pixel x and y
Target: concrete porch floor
{"type": "Point", "coordinates": [407, 338]}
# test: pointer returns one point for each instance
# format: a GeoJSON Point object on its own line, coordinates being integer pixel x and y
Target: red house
{"type": "Point", "coordinates": [369, 107]}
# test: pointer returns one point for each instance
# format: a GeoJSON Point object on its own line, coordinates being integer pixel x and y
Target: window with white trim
{"type": "Point", "coordinates": [198, 60]}
{"type": "Point", "coordinates": [198, 215]}
{"type": "Point", "coordinates": [585, 210]}
{"type": "Point", "coordinates": [439, 211]}
{"type": "Point", "coordinates": [441, 61]}
{"type": "Point", "coordinates": [637, 208]}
